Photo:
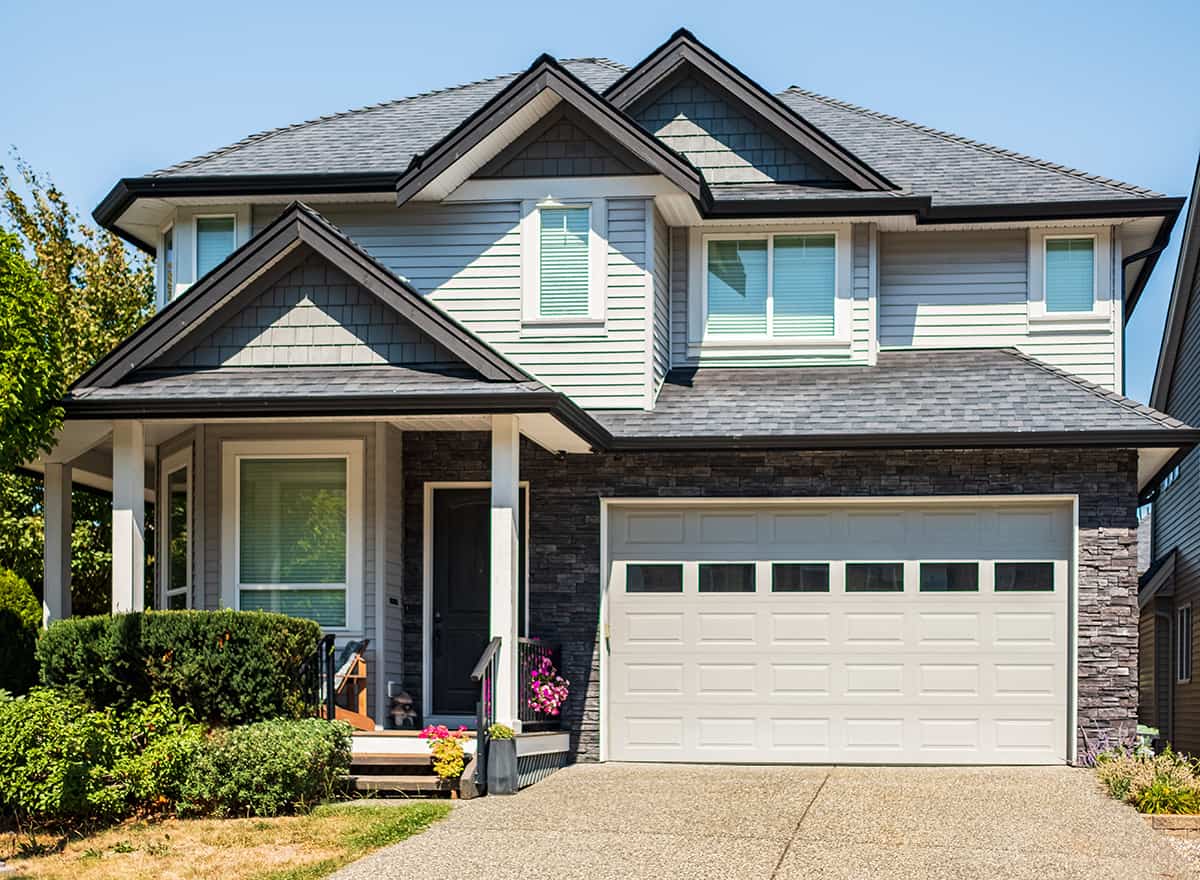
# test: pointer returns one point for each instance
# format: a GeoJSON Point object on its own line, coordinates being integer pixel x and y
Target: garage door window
{"type": "Point", "coordinates": [874, 577]}
{"type": "Point", "coordinates": [800, 577]}
{"type": "Point", "coordinates": [727, 577]}
{"type": "Point", "coordinates": [647, 578]}
{"type": "Point", "coordinates": [949, 577]}
{"type": "Point", "coordinates": [1021, 577]}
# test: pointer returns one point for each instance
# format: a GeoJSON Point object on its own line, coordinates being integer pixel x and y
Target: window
{"type": "Point", "coordinates": [642, 577]}
{"type": "Point", "coordinates": [949, 577]}
{"type": "Point", "coordinates": [1013, 577]}
{"type": "Point", "coordinates": [771, 286]}
{"type": "Point", "coordinates": [726, 577]}
{"type": "Point", "coordinates": [215, 240]}
{"type": "Point", "coordinates": [294, 536]}
{"type": "Point", "coordinates": [1183, 641]}
{"type": "Point", "coordinates": [168, 265]}
{"type": "Point", "coordinates": [1070, 274]}
{"type": "Point", "coordinates": [176, 518]}
{"type": "Point", "coordinates": [874, 577]}
{"type": "Point", "coordinates": [800, 577]}
{"type": "Point", "coordinates": [563, 261]}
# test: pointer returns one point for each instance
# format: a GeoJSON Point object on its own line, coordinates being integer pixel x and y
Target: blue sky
{"type": "Point", "coordinates": [107, 90]}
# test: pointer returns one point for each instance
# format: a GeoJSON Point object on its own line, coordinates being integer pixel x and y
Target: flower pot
{"type": "Point", "coordinates": [502, 766]}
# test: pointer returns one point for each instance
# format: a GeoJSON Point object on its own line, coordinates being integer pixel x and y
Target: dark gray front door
{"type": "Point", "coordinates": [461, 577]}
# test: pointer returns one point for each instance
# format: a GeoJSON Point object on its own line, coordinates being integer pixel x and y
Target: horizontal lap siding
{"type": "Point", "coordinates": [970, 289]}
{"type": "Point", "coordinates": [467, 258]}
{"type": "Point", "coordinates": [1177, 520]}
{"type": "Point", "coordinates": [860, 321]}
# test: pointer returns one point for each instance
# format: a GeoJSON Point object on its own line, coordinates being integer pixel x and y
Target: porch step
{"type": "Point", "coordinates": [370, 760]}
{"type": "Point", "coordinates": [409, 783]}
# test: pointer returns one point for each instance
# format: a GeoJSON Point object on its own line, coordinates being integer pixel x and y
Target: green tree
{"type": "Point", "coordinates": [99, 292]}
{"type": "Point", "coordinates": [31, 370]}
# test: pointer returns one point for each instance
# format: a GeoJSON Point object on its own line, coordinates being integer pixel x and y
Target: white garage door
{"type": "Point", "coordinates": [871, 633]}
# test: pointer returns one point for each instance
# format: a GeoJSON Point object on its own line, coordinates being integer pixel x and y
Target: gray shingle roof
{"type": "Point", "coordinates": [381, 137]}
{"type": "Point", "coordinates": [912, 392]}
{"type": "Point", "coordinates": [230, 383]}
{"type": "Point", "coordinates": [923, 161]}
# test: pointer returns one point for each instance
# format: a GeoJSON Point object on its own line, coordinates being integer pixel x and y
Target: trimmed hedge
{"type": "Point", "coordinates": [225, 667]}
{"type": "Point", "coordinates": [267, 769]}
{"type": "Point", "coordinates": [63, 762]}
{"type": "Point", "coordinates": [20, 619]}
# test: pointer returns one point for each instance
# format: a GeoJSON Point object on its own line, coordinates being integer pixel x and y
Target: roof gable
{"type": "Point", "coordinates": [684, 54]}
{"type": "Point", "coordinates": [545, 85]}
{"type": "Point", "coordinates": [564, 144]}
{"type": "Point", "coordinates": [266, 260]}
{"type": "Point", "coordinates": [314, 315]}
{"type": "Point", "coordinates": [695, 116]}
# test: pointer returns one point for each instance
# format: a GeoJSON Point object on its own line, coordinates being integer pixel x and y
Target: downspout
{"type": "Point", "coordinates": [1169, 733]}
{"type": "Point", "coordinates": [1150, 255]}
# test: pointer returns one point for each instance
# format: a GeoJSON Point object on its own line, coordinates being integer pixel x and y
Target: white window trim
{"type": "Point", "coordinates": [166, 296]}
{"type": "Point", "coordinates": [843, 295]}
{"type": "Point", "coordinates": [196, 218]}
{"type": "Point", "coordinates": [1181, 646]}
{"type": "Point", "coordinates": [180, 459]}
{"type": "Point", "coordinates": [1101, 311]}
{"type": "Point", "coordinates": [233, 452]}
{"type": "Point", "coordinates": [531, 317]}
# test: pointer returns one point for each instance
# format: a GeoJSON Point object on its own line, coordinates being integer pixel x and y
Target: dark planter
{"type": "Point", "coordinates": [502, 766]}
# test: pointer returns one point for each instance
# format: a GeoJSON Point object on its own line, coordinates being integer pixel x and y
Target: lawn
{"type": "Point", "coordinates": [288, 848]}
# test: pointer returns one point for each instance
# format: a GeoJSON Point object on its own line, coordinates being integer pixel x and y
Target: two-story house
{"type": "Point", "coordinates": [1170, 699]}
{"type": "Point", "coordinates": [799, 427]}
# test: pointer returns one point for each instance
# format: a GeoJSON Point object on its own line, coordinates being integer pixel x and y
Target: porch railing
{"type": "Point", "coordinates": [484, 674]}
{"type": "Point", "coordinates": [531, 656]}
{"type": "Point", "coordinates": [316, 679]}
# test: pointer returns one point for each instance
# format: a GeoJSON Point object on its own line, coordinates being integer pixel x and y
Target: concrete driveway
{"type": "Point", "coordinates": [659, 821]}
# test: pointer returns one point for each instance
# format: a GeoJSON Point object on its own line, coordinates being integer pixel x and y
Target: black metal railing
{"type": "Point", "coordinates": [532, 655]}
{"type": "Point", "coordinates": [316, 679]}
{"type": "Point", "coordinates": [484, 674]}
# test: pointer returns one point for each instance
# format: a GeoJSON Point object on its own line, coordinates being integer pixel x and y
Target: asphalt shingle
{"type": "Point", "coordinates": [911, 392]}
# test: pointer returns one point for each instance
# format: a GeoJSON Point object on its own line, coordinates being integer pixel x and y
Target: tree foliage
{"type": "Point", "coordinates": [31, 368]}
{"type": "Point", "coordinates": [98, 292]}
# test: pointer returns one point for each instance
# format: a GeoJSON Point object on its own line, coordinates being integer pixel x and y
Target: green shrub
{"type": "Point", "coordinates": [227, 667]}
{"type": "Point", "coordinates": [267, 769]}
{"type": "Point", "coordinates": [20, 618]}
{"type": "Point", "coordinates": [1161, 796]}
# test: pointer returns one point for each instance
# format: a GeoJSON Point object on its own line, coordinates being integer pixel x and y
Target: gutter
{"type": "Point", "coordinates": [1150, 255]}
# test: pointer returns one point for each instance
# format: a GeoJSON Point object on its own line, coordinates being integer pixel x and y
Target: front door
{"type": "Point", "coordinates": [461, 577]}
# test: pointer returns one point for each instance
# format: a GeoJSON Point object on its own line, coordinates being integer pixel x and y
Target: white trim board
{"type": "Point", "coordinates": [427, 575]}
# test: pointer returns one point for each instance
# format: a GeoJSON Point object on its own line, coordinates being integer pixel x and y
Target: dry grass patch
{"type": "Point", "coordinates": [285, 848]}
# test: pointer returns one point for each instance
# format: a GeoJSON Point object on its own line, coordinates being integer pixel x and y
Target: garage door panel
{"type": "Point", "coordinates": [914, 676]}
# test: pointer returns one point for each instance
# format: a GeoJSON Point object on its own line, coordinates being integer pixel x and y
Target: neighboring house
{"type": "Point", "coordinates": [1171, 586]}
{"type": "Point", "coordinates": [799, 427]}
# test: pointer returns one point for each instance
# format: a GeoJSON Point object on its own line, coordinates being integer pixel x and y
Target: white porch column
{"type": "Point", "coordinates": [129, 517]}
{"type": "Point", "coordinates": [506, 445]}
{"type": "Point", "coordinates": [56, 564]}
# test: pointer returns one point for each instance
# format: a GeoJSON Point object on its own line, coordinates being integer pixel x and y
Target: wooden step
{"type": "Point", "coordinates": [372, 760]}
{"type": "Point", "coordinates": [399, 783]}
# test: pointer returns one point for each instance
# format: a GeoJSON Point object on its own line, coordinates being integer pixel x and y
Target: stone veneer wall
{"type": "Point", "coordinates": [565, 537]}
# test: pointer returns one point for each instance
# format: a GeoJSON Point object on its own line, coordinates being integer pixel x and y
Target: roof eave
{"type": "Point", "coordinates": [1187, 276]}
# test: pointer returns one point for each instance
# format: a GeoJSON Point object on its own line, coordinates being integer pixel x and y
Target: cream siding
{"type": "Point", "coordinates": [467, 259]}
{"type": "Point", "coordinates": [971, 289]}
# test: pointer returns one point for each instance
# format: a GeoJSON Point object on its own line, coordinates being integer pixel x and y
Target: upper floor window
{"type": "Point", "coordinates": [563, 261]}
{"type": "Point", "coordinates": [770, 285]}
{"type": "Point", "coordinates": [1070, 274]}
{"type": "Point", "coordinates": [215, 240]}
{"type": "Point", "coordinates": [168, 264]}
